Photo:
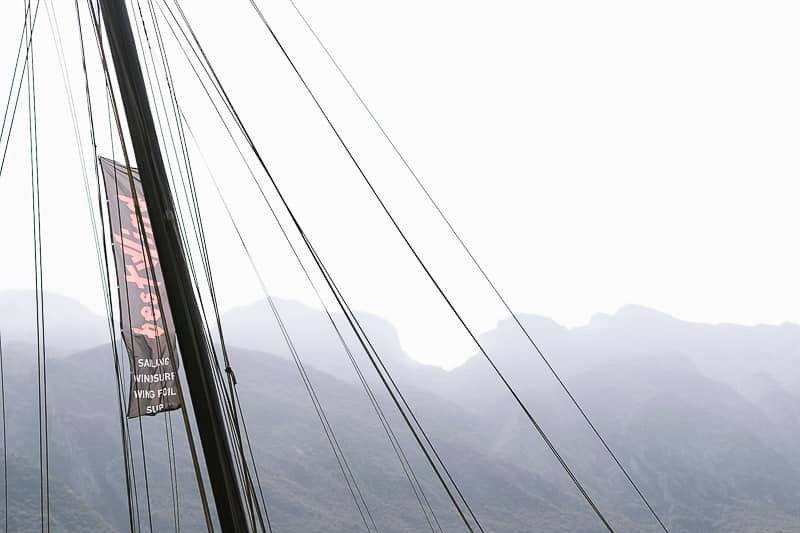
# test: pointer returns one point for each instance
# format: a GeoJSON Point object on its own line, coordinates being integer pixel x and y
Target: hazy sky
{"type": "Point", "coordinates": [592, 154]}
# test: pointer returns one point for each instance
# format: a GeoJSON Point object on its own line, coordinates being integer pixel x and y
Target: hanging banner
{"type": "Point", "coordinates": [147, 327]}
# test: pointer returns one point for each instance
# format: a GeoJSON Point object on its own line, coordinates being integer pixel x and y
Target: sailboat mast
{"type": "Point", "coordinates": [187, 318]}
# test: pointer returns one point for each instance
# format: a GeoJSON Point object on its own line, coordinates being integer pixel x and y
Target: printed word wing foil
{"type": "Point", "coordinates": [146, 321]}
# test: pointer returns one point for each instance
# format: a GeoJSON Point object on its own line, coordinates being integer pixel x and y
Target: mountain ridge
{"type": "Point", "coordinates": [713, 455]}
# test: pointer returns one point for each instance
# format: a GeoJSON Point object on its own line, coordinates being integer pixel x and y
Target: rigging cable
{"type": "Point", "coordinates": [237, 417]}
{"type": "Point", "coordinates": [175, 466]}
{"type": "Point", "coordinates": [173, 474]}
{"type": "Point", "coordinates": [330, 434]}
{"type": "Point", "coordinates": [394, 391]}
{"type": "Point", "coordinates": [133, 356]}
{"type": "Point", "coordinates": [22, 39]}
{"type": "Point", "coordinates": [170, 452]}
{"type": "Point", "coordinates": [342, 461]}
{"type": "Point", "coordinates": [121, 326]}
{"type": "Point", "coordinates": [529, 415]}
{"type": "Point", "coordinates": [353, 486]}
{"type": "Point", "coordinates": [396, 395]}
{"type": "Point", "coordinates": [41, 348]}
{"type": "Point", "coordinates": [192, 447]}
{"type": "Point", "coordinates": [346, 470]}
{"type": "Point", "coordinates": [117, 121]}
{"type": "Point", "coordinates": [562, 384]}
{"type": "Point", "coordinates": [169, 415]}
{"type": "Point", "coordinates": [405, 464]}
{"type": "Point", "coordinates": [109, 108]}
{"type": "Point", "coordinates": [234, 421]}
{"type": "Point", "coordinates": [13, 115]}
{"type": "Point", "coordinates": [130, 469]}
{"type": "Point", "coordinates": [101, 252]}
{"type": "Point", "coordinates": [145, 247]}
{"type": "Point", "coordinates": [14, 76]}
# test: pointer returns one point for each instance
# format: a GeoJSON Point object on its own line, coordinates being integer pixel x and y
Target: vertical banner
{"type": "Point", "coordinates": [147, 327]}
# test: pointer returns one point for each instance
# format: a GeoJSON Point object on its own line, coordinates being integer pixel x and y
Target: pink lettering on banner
{"type": "Point", "coordinates": [146, 317]}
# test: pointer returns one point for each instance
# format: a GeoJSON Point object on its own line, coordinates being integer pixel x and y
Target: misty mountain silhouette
{"type": "Point", "coordinates": [70, 326]}
{"type": "Point", "coordinates": [705, 417]}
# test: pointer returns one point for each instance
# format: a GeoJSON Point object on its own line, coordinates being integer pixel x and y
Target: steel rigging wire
{"type": "Point", "coordinates": [330, 434]}
{"type": "Point", "coordinates": [111, 111]}
{"type": "Point", "coordinates": [142, 446]}
{"type": "Point", "coordinates": [174, 489]}
{"type": "Point", "coordinates": [423, 496]}
{"type": "Point", "coordinates": [392, 393]}
{"type": "Point", "coordinates": [101, 250]}
{"type": "Point", "coordinates": [528, 414]}
{"type": "Point", "coordinates": [27, 34]}
{"type": "Point", "coordinates": [124, 421]}
{"type": "Point", "coordinates": [22, 40]}
{"type": "Point", "coordinates": [170, 86]}
{"type": "Point", "coordinates": [395, 393]}
{"type": "Point", "coordinates": [114, 110]}
{"type": "Point", "coordinates": [40, 303]}
{"type": "Point", "coordinates": [41, 336]}
{"type": "Point", "coordinates": [109, 106]}
{"type": "Point", "coordinates": [185, 174]}
{"type": "Point", "coordinates": [168, 418]}
{"type": "Point", "coordinates": [517, 320]}
{"type": "Point", "coordinates": [234, 410]}
{"type": "Point", "coordinates": [26, 37]}
{"type": "Point", "coordinates": [343, 463]}
{"type": "Point", "coordinates": [195, 282]}
{"type": "Point", "coordinates": [416, 487]}
{"type": "Point", "coordinates": [562, 384]}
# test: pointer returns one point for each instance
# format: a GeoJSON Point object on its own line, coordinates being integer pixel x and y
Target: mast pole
{"type": "Point", "coordinates": [177, 280]}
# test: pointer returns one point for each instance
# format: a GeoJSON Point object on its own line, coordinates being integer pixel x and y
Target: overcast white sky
{"type": "Point", "coordinates": [592, 154]}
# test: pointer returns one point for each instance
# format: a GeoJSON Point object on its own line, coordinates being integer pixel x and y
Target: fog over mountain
{"type": "Point", "coordinates": [705, 417]}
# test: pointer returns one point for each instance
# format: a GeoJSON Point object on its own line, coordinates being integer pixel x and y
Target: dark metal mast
{"type": "Point", "coordinates": [177, 280]}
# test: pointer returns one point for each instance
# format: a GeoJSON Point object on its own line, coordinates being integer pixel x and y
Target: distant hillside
{"type": "Point", "coordinates": [254, 327]}
{"type": "Point", "coordinates": [704, 416]}
{"type": "Point", "coordinates": [302, 482]}
{"type": "Point", "coordinates": [70, 326]}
